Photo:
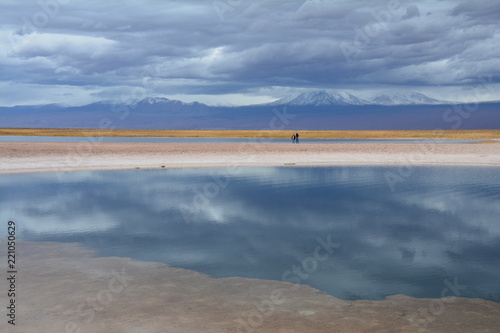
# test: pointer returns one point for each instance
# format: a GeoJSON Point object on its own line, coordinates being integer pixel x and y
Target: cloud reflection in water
{"type": "Point", "coordinates": [440, 224]}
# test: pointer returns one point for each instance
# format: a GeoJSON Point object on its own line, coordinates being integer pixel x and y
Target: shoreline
{"type": "Point", "coordinates": [30, 157]}
{"type": "Point", "coordinates": [127, 294]}
{"type": "Point", "coordinates": [480, 134]}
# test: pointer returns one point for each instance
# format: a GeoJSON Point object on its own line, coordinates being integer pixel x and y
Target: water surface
{"type": "Point", "coordinates": [220, 140]}
{"type": "Point", "coordinates": [439, 223]}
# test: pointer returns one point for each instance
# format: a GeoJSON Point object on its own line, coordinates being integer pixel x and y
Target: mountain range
{"type": "Point", "coordinates": [405, 98]}
{"type": "Point", "coordinates": [313, 110]}
{"type": "Point", "coordinates": [311, 98]}
{"type": "Point", "coordinates": [323, 97]}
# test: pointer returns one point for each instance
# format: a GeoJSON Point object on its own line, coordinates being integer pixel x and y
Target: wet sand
{"type": "Point", "coordinates": [63, 288]}
{"type": "Point", "coordinates": [19, 157]}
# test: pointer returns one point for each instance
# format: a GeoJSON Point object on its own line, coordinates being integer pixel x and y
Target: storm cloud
{"type": "Point", "coordinates": [75, 51]}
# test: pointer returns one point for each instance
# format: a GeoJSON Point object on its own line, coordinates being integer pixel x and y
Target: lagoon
{"type": "Point", "coordinates": [441, 223]}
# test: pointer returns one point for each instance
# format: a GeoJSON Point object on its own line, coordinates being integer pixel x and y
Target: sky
{"type": "Point", "coordinates": [238, 52]}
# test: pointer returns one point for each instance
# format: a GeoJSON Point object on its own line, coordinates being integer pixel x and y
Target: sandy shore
{"type": "Point", "coordinates": [63, 288]}
{"type": "Point", "coordinates": [19, 157]}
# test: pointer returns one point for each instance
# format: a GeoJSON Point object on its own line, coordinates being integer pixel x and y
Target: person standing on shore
{"type": "Point", "coordinates": [296, 137]}
{"type": "Point", "coordinates": [293, 138]}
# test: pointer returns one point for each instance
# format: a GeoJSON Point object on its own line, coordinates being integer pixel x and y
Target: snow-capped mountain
{"type": "Point", "coordinates": [154, 100]}
{"type": "Point", "coordinates": [161, 113]}
{"type": "Point", "coordinates": [321, 98]}
{"type": "Point", "coordinates": [164, 101]}
{"type": "Point", "coordinates": [404, 98]}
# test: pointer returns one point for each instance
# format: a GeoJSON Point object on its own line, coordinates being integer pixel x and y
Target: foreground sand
{"type": "Point", "coordinates": [62, 288]}
{"type": "Point", "coordinates": [18, 157]}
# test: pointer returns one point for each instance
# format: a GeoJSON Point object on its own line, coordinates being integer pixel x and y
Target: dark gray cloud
{"type": "Point", "coordinates": [240, 47]}
{"type": "Point", "coordinates": [411, 11]}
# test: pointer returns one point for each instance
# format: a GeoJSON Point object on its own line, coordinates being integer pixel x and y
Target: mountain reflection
{"type": "Point", "coordinates": [440, 223]}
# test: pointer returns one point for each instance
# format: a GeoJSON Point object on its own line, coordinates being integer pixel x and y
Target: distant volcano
{"type": "Point", "coordinates": [321, 98]}
{"type": "Point", "coordinates": [325, 98]}
{"type": "Point", "coordinates": [404, 98]}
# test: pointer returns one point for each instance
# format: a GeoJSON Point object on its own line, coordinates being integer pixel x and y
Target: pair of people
{"type": "Point", "coordinates": [295, 138]}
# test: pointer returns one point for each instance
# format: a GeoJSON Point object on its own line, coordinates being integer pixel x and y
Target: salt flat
{"type": "Point", "coordinates": [22, 157]}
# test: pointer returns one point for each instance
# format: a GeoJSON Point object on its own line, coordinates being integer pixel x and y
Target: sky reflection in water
{"type": "Point", "coordinates": [441, 223]}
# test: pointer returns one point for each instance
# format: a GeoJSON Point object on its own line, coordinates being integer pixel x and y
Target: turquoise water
{"type": "Point", "coordinates": [342, 230]}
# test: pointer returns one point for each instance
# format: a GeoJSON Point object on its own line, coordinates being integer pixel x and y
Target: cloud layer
{"type": "Point", "coordinates": [241, 48]}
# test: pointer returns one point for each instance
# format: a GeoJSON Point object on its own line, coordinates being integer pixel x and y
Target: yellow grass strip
{"type": "Point", "coordinates": [432, 134]}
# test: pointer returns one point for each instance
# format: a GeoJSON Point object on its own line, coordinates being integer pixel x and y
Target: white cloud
{"type": "Point", "coordinates": [43, 44]}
